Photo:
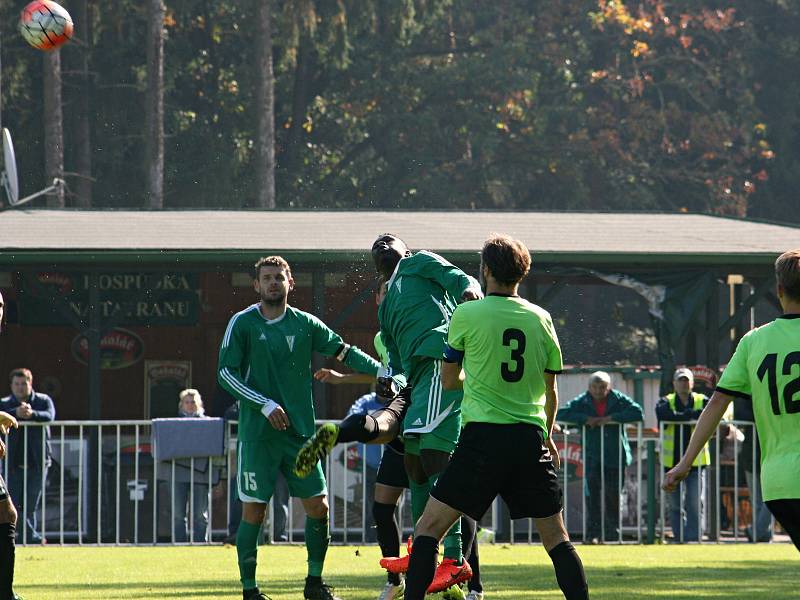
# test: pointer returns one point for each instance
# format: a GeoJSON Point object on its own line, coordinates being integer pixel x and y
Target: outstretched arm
{"type": "Point", "coordinates": [706, 426]}
{"type": "Point", "coordinates": [336, 378]}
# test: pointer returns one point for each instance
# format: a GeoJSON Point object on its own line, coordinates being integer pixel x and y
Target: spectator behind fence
{"type": "Point", "coordinates": [684, 404]}
{"type": "Point", "coordinates": [27, 405]}
{"type": "Point", "coordinates": [190, 406]}
{"type": "Point", "coordinates": [602, 406]}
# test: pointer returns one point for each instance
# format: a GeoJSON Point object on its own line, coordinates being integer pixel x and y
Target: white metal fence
{"type": "Point", "coordinates": [104, 487]}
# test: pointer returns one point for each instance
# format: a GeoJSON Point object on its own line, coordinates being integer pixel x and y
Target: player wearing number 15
{"type": "Point", "coordinates": [265, 362]}
{"type": "Point", "coordinates": [765, 369]}
{"type": "Point", "coordinates": [510, 356]}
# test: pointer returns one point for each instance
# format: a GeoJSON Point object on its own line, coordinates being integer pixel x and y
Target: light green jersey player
{"type": "Point", "coordinates": [507, 343]}
{"type": "Point", "coordinates": [766, 369]}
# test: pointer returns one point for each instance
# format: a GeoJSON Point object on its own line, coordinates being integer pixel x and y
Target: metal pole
{"type": "Point", "coordinates": [718, 497]}
{"type": "Point", "coordinates": [136, 486]}
{"type": "Point", "coordinates": [651, 491]}
{"type": "Point", "coordinates": [119, 459]}
{"type": "Point", "coordinates": [583, 483]}
{"type": "Point", "coordinates": [44, 484]}
{"type": "Point", "coordinates": [24, 515]}
{"type": "Point", "coordinates": [602, 483]}
{"type": "Point", "coordinates": [61, 491]}
{"type": "Point", "coordinates": [80, 485]}
{"type": "Point", "coordinates": [344, 491]}
{"type": "Point", "coordinates": [661, 471]}
{"type": "Point", "coordinates": [99, 483]}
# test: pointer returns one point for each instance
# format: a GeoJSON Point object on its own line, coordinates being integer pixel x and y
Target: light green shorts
{"type": "Point", "coordinates": [259, 463]}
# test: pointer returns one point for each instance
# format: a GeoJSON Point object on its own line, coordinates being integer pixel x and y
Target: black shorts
{"type": "Point", "coordinates": [3, 489]}
{"type": "Point", "coordinates": [392, 471]}
{"type": "Point", "coordinates": [787, 513]}
{"type": "Point", "coordinates": [511, 461]}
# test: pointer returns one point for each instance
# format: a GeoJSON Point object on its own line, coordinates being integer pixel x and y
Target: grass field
{"type": "Point", "coordinates": [764, 571]}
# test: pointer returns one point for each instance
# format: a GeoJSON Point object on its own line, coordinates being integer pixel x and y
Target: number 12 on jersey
{"type": "Point", "coordinates": [769, 367]}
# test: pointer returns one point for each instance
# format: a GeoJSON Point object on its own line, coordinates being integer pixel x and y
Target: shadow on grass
{"type": "Point", "coordinates": [744, 579]}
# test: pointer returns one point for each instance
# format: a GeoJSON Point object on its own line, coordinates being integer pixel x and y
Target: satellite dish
{"type": "Point", "coordinates": [9, 180]}
{"type": "Point", "coordinates": [9, 175]}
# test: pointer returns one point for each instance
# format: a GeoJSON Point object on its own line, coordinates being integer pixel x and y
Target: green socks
{"type": "Point", "coordinates": [317, 540]}
{"type": "Point", "coordinates": [419, 498]}
{"type": "Point", "coordinates": [246, 550]}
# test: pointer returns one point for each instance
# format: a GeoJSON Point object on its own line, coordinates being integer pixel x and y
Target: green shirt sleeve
{"type": "Point", "coordinates": [328, 342]}
{"type": "Point", "coordinates": [735, 379]}
{"type": "Point", "coordinates": [555, 362]}
{"type": "Point", "coordinates": [451, 278]}
{"type": "Point", "coordinates": [232, 356]}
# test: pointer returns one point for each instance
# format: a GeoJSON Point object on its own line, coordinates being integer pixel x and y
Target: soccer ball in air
{"type": "Point", "coordinates": [45, 25]}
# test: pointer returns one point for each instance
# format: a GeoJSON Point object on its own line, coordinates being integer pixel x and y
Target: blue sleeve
{"type": "Point", "coordinates": [46, 414]}
{"type": "Point", "coordinates": [451, 355]}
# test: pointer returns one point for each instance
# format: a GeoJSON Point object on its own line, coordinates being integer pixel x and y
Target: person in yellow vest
{"type": "Point", "coordinates": [687, 502]}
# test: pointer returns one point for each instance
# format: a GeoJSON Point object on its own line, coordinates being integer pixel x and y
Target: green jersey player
{"type": "Point", "coordinates": [265, 362]}
{"type": "Point", "coordinates": [422, 291]}
{"type": "Point", "coordinates": [765, 369]}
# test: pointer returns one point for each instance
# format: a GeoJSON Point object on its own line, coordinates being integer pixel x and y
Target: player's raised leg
{"type": "Point", "coordinates": [380, 427]}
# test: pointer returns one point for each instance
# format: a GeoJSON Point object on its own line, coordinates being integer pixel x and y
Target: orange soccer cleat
{"type": "Point", "coordinates": [397, 564]}
{"type": "Point", "coordinates": [448, 574]}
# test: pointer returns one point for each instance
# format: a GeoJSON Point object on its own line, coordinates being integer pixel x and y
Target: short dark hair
{"type": "Point", "coordinates": [21, 372]}
{"type": "Point", "coordinates": [787, 272]}
{"type": "Point", "coordinates": [507, 259]}
{"type": "Point", "coordinates": [271, 261]}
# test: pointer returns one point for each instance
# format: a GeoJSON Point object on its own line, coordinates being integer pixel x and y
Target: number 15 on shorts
{"type": "Point", "coordinates": [249, 481]}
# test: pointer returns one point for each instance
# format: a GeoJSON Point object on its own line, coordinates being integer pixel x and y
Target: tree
{"type": "Point", "coordinates": [83, 125]}
{"type": "Point", "coordinates": [154, 129]}
{"type": "Point", "coordinates": [53, 125]}
{"type": "Point", "coordinates": [265, 107]}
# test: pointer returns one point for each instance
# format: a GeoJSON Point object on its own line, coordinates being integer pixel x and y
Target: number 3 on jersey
{"type": "Point", "coordinates": [250, 481]}
{"type": "Point", "coordinates": [517, 350]}
{"type": "Point", "coordinates": [769, 367]}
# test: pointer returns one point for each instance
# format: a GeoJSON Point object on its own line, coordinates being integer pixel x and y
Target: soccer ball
{"type": "Point", "coordinates": [45, 25]}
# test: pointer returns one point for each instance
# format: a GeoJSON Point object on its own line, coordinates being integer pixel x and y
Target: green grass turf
{"type": "Point", "coordinates": [764, 571]}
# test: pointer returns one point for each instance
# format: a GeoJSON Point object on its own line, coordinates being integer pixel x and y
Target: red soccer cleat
{"type": "Point", "coordinates": [449, 574]}
{"type": "Point", "coordinates": [396, 564]}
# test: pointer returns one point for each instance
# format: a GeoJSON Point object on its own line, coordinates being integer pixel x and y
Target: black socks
{"type": "Point", "coordinates": [569, 572]}
{"type": "Point", "coordinates": [358, 428]}
{"type": "Point", "coordinates": [421, 567]}
{"type": "Point", "coordinates": [388, 533]}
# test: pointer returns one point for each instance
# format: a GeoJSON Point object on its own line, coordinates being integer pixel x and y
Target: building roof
{"type": "Point", "coordinates": [30, 236]}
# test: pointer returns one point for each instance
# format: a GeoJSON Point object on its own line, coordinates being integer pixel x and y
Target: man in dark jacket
{"type": "Point", "coordinates": [28, 405]}
{"type": "Point", "coordinates": [600, 411]}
